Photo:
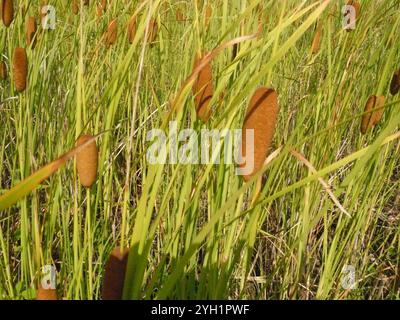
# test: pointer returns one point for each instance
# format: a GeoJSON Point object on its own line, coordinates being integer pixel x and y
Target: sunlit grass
{"type": "Point", "coordinates": [328, 197]}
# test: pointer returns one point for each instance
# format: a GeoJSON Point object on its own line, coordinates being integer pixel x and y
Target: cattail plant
{"type": "Point", "coordinates": [153, 30]}
{"type": "Point", "coordinates": [261, 116]}
{"type": "Point", "coordinates": [131, 29]}
{"type": "Point", "coordinates": [317, 39]}
{"type": "Point", "coordinates": [75, 7]}
{"type": "Point", "coordinates": [31, 28]}
{"type": "Point", "coordinates": [395, 84]}
{"type": "Point", "coordinates": [203, 89]}
{"type": "Point", "coordinates": [112, 33]}
{"type": "Point", "coordinates": [7, 10]}
{"type": "Point", "coordinates": [114, 275]}
{"type": "Point", "coordinates": [20, 69]}
{"type": "Point", "coordinates": [86, 161]}
{"type": "Point", "coordinates": [3, 70]}
{"type": "Point", "coordinates": [371, 119]}
{"type": "Point", "coordinates": [101, 7]}
{"type": "Point", "coordinates": [46, 294]}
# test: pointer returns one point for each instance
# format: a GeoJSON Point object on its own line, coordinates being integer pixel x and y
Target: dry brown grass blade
{"type": "Point", "coordinates": [324, 184]}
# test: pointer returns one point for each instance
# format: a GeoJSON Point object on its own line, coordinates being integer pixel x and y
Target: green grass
{"type": "Point", "coordinates": [197, 231]}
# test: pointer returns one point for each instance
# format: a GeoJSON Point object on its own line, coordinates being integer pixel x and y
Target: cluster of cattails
{"type": "Point", "coordinates": [7, 12]}
{"type": "Point", "coordinates": [203, 89]}
{"type": "Point", "coordinates": [114, 275]}
{"type": "Point", "coordinates": [87, 160]}
{"type": "Point", "coordinates": [261, 117]}
{"type": "Point", "coordinates": [372, 118]}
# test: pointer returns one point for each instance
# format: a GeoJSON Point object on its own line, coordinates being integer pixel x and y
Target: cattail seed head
{"type": "Point", "coordinates": [395, 84]}
{"type": "Point", "coordinates": [7, 11]}
{"type": "Point", "coordinates": [86, 161]}
{"type": "Point", "coordinates": [31, 28]}
{"type": "Point", "coordinates": [75, 7]}
{"type": "Point", "coordinates": [370, 119]}
{"type": "Point", "coordinates": [101, 7]}
{"type": "Point", "coordinates": [131, 29]}
{"type": "Point", "coordinates": [20, 69]}
{"type": "Point", "coordinates": [153, 30]}
{"type": "Point", "coordinates": [261, 116]}
{"type": "Point", "coordinates": [317, 40]}
{"type": "Point", "coordinates": [46, 294]}
{"type": "Point", "coordinates": [114, 275]}
{"type": "Point", "coordinates": [112, 33]}
{"type": "Point", "coordinates": [3, 70]}
{"type": "Point", "coordinates": [203, 90]}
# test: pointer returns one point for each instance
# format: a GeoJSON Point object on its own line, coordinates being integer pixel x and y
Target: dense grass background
{"type": "Point", "coordinates": [198, 231]}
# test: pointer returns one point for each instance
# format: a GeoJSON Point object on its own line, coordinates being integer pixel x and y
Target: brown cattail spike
{"type": "Point", "coordinates": [203, 90]}
{"type": "Point", "coordinates": [3, 70]}
{"type": "Point", "coordinates": [131, 29]}
{"type": "Point", "coordinates": [101, 7]}
{"type": "Point", "coordinates": [7, 10]}
{"type": "Point", "coordinates": [20, 69]}
{"type": "Point", "coordinates": [153, 30]}
{"type": "Point", "coordinates": [370, 119]}
{"type": "Point", "coordinates": [261, 116]}
{"type": "Point", "coordinates": [395, 84]}
{"type": "Point", "coordinates": [31, 28]}
{"type": "Point", "coordinates": [75, 7]}
{"type": "Point", "coordinates": [112, 33]}
{"type": "Point", "coordinates": [317, 39]}
{"type": "Point", "coordinates": [114, 275]}
{"type": "Point", "coordinates": [86, 161]}
{"type": "Point", "coordinates": [46, 294]}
